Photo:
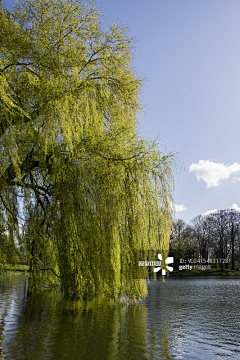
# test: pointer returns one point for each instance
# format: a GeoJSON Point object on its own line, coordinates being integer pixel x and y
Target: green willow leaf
{"type": "Point", "coordinates": [91, 191]}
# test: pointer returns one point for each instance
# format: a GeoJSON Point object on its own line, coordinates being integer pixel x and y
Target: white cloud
{"type": "Point", "coordinates": [209, 212]}
{"type": "Point", "coordinates": [212, 173]}
{"type": "Point", "coordinates": [180, 207]}
{"type": "Point", "coordinates": [235, 207]}
{"type": "Point", "coordinates": [236, 179]}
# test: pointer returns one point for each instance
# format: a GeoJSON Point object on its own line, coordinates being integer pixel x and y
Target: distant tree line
{"type": "Point", "coordinates": [215, 236]}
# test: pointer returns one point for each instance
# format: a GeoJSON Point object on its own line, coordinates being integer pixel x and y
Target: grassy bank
{"type": "Point", "coordinates": [207, 272]}
{"type": "Point", "coordinates": [7, 268]}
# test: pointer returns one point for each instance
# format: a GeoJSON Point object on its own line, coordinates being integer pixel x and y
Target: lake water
{"type": "Point", "coordinates": [185, 318]}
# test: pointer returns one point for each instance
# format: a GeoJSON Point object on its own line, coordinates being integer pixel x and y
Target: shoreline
{"type": "Point", "coordinates": [183, 273]}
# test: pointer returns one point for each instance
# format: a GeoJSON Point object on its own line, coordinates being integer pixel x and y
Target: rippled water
{"type": "Point", "coordinates": [185, 318]}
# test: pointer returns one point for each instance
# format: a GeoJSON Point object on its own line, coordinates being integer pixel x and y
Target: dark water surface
{"type": "Point", "coordinates": [185, 318]}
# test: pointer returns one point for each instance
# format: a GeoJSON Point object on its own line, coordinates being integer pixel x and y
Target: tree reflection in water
{"type": "Point", "coordinates": [49, 328]}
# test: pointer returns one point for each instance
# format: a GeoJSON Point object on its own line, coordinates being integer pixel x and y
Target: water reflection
{"type": "Point", "coordinates": [165, 342]}
{"type": "Point", "coordinates": [40, 327]}
{"type": "Point", "coordinates": [181, 319]}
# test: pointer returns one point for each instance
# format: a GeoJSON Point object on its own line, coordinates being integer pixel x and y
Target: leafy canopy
{"type": "Point", "coordinates": [87, 188]}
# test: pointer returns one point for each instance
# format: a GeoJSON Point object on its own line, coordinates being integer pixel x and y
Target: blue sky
{"type": "Point", "coordinates": [189, 54]}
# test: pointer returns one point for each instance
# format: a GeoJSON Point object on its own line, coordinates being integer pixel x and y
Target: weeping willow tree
{"type": "Point", "coordinates": [87, 188]}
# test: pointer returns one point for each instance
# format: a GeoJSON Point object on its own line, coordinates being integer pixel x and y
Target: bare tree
{"type": "Point", "coordinates": [233, 221]}
{"type": "Point", "coordinates": [181, 242]}
{"type": "Point", "coordinates": [218, 231]}
{"type": "Point", "coordinates": [200, 235]}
